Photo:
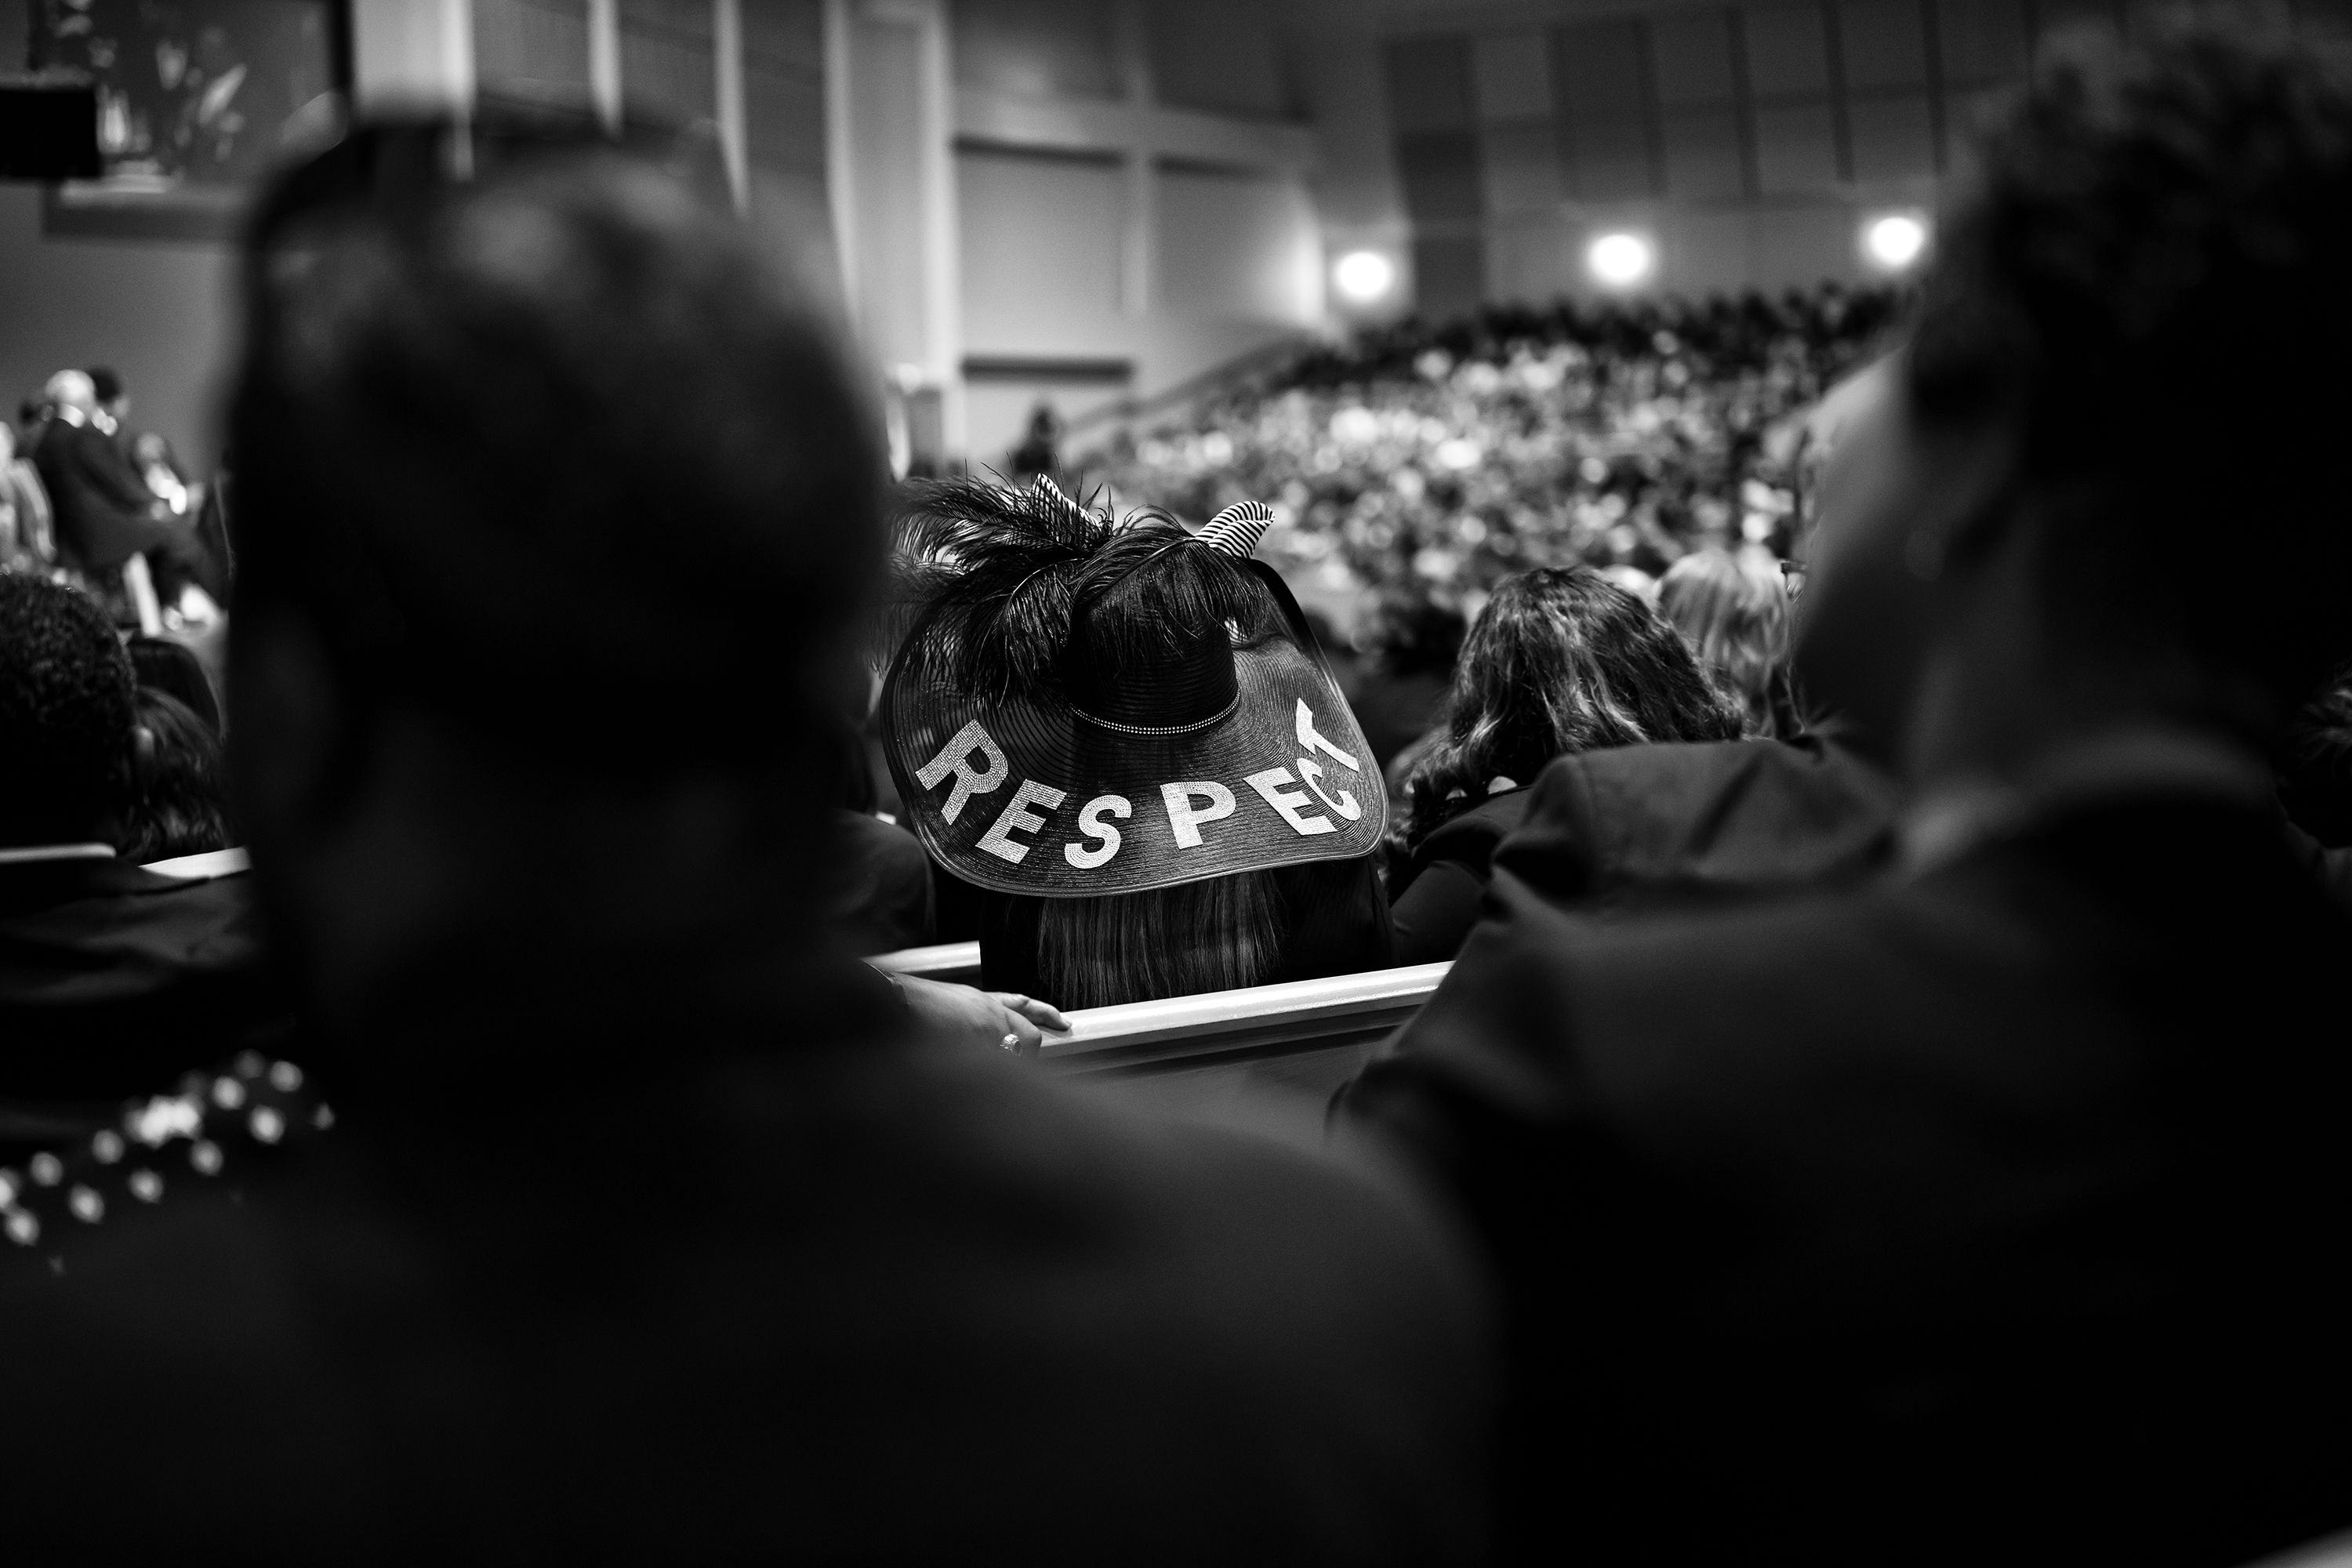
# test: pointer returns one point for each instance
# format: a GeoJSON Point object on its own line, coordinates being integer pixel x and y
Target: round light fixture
{"type": "Point", "coordinates": [1894, 241]}
{"type": "Point", "coordinates": [1362, 275]}
{"type": "Point", "coordinates": [1620, 260]}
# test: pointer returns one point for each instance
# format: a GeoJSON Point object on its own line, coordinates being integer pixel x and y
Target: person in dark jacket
{"type": "Point", "coordinates": [649, 1225]}
{"type": "Point", "coordinates": [1982, 1212]}
{"type": "Point", "coordinates": [1561, 661]}
{"type": "Point", "coordinates": [103, 514]}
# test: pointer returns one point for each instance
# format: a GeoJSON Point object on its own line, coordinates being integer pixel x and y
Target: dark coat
{"type": "Point", "coordinates": [1435, 897]}
{"type": "Point", "coordinates": [674, 1283]}
{"type": "Point", "coordinates": [1639, 822]}
{"type": "Point", "coordinates": [104, 515]}
{"type": "Point", "coordinates": [1984, 1216]}
{"type": "Point", "coordinates": [883, 882]}
{"type": "Point", "coordinates": [114, 981]}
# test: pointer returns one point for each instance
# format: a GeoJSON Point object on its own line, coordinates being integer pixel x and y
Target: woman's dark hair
{"type": "Point", "coordinates": [176, 805]}
{"type": "Point", "coordinates": [1560, 661]}
{"type": "Point", "coordinates": [173, 669]}
{"type": "Point", "coordinates": [1212, 935]}
{"type": "Point", "coordinates": [1734, 612]}
{"type": "Point", "coordinates": [1414, 635]}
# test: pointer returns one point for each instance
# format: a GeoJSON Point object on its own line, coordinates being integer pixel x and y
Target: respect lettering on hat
{"type": "Point", "coordinates": [973, 764]}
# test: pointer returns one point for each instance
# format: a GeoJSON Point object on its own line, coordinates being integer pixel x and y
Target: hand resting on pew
{"type": "Point", "coordinates": [1004, 1019]}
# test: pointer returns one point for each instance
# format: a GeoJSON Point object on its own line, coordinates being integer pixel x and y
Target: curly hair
{"type": "Point", "coordinates": [1560, 661]}
{"type": "Point", "coordinates": [65, 711]}
{"type": "Point", "coordinates": [2146, 284]}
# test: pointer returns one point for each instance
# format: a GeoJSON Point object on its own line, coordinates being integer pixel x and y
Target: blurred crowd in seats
{"type": "Point", "coordinates": [1430, 461]}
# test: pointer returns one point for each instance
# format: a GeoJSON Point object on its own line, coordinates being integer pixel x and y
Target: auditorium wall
{"type": "Point", "coordinates": [1482, 146]}
{"type": "Point", "coordinates": [1132, 196]}
{"type": "Point", "coordinates": [157, 310]}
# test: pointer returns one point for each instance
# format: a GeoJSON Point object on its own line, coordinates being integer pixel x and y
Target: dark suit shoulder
{"type": "Point", "coordinates": [1714, 814]}
{"type": "Point", "coordinates": [1468, 838]}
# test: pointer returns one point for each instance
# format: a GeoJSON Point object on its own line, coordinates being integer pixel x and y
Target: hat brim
{"type": "Point", "coordinates": [1030, 796]}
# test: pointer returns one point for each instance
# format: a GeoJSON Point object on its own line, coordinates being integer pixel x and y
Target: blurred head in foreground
{"type": "Point", "coordinates": [2108, 398]}
{"type": "Point", "coordinates": [2119, 384]}
{"type": "Point", "coordinates": [543, 473]}
{"type": "Point", "coordinates": [1560, 661]}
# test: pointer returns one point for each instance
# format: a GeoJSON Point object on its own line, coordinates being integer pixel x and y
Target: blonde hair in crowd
{"type": "Point", "coordinates": [1733, 610]}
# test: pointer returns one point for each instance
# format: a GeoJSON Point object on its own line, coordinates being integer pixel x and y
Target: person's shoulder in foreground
{"type": "Point", "coordinates": [830, 1298]}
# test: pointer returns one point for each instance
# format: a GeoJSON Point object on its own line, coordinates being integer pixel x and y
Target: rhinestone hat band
{"type": "Point", "coordinates": [255, 1103]}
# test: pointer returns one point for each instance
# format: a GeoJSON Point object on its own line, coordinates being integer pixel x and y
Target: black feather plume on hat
{"type": "Point", "coordinates": [1000, 572]}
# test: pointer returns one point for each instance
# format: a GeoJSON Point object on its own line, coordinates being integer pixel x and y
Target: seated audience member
{"type": "Point", "coordinates": [27, 540]}
{"type": "Point", "coordinates": [1733, 610]}
{"type": "Point", "coordinates": [1126, 736]}
{"type": "Point", "coordinates": [1635, 826]}
{"type": "Point", "coordinates": [1983, 1212]}
{"type": "Point", "coordinates": [114, 981]}
{"type": "Point", "coordinates": [1559, 661]}
{"type": "Point", "coordinates": [110, 406]}
{"type": "Point", "coordinates": [152, 456]}
{"type": "Point", "coordinates": [651, 1227]}
{"type": "Point", "coordinates": [1414, 643]}
{"type": "Point", "coordinates": [103, 512]}
{"type": "Point", "coordinates": [174, 805]}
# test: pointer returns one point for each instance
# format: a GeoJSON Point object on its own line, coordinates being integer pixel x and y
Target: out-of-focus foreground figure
{"type": "Point", "coordinates": [1983, 1214]}
{"type": "Point", "coordinates": [646, 1226]}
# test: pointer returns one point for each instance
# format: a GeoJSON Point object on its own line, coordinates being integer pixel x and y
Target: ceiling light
{"type": "Point", "coordinates": [1894, 241]}
{"type": "Point", "coordinates": [1362, 275]}
{"type": "Point", "coordinates": [1620, 260]}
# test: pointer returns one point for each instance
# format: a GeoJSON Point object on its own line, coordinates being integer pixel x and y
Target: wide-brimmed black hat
{"type": "Point", "coordinates": [1084, 707]}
